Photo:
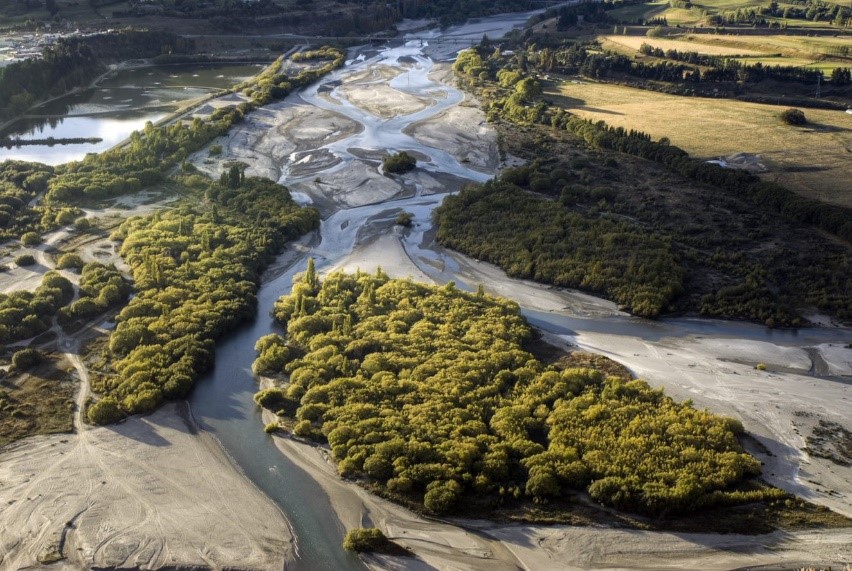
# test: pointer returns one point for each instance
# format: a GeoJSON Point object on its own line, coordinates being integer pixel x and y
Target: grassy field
{"type": "Point", "coordinates": [657, 9]}
{"type": "Point", "coordinates": [771, 49]}
{"type": "Point", "coordinates": [696, 15]}
{"type": "Point", "coordinates": [815, 160]}
{"type": "Point", "coordinates": [689, 43]}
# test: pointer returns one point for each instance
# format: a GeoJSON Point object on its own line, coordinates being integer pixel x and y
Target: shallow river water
{"type": "Point", "coordinates": [121, 103]}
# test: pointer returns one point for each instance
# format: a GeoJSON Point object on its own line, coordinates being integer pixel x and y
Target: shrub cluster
{"type": "Point", "coordinates": [101, 287]}
{"type": "Point", "coordinates": [399, 163]}
{"type": "Point", "coordinates": [25, 314]}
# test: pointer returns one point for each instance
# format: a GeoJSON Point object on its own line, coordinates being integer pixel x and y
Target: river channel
{"type": "Point", "coordinates": [223, 400]}
{"type": "Point", "coordinates": [674, 353]}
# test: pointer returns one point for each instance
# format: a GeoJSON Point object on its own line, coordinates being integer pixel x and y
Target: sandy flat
{"type": "Point", "coordinates": [353, 184]}
{"type": "Point", "coordinates": [462, 132]}
{"type": "Point", "coordinates": [269, 137]}
{"type": "Point", "coordinates": [147, 493]}
{"type": "Point", "coordinates": [382, 100]}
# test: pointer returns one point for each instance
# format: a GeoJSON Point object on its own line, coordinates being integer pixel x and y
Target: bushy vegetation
{"type": "Point", "coordinates": [427, 392]}
{"type": "Point", "coordinates": [793, 117]}
{"type": "Point", "coordinates": [537, 238]}
{"type": "Point", "coordinates": [70, 261]}
{"type": "Point", "coordinates": [24, 359]}
{"type": "Point", "coordinates": [101, 287]}
{"type": "Point", "coordinates": [20, 183]}
{"type": "Point", "coordinates": [196, 270]}
{"type": "Point", "coordinates": [274, 84]}
{"type": "Point", "coordinates": [399, 163]}
{"type": "Point", "coordinates": [30, 239]}
{"type": "Point", "coordinates": [404, 219]}
{"type": "Point", "coordinates": [25, 314]}
{"type": "Point", "coordinates": [24, 260]}
{"type": "Point", "coordinates": [366, 540]}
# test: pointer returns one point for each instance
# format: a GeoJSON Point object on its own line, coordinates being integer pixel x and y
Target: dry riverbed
{"type": "Point", "coordinates": [152, 492]}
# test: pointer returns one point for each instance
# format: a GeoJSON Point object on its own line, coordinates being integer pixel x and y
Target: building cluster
{"type": "Point", "coordinates": [30, 45]}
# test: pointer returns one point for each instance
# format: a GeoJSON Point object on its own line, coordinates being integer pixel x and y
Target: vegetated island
{"type": "Point", "coordinates": [427, 396]}
{"type": "Point", "coordinates": [597, 214]}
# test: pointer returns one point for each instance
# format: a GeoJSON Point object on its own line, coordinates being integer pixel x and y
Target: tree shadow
{"type": "Point", "coordinates": [599, 110]}
{"type": "Point", "coordinates": [175, 416]}
{"type": "Point", "coordinates": [143, 432]}
{"type": "Point", "coordinates": [824, 128]}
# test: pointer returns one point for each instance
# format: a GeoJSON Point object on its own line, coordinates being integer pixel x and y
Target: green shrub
{"type": "Point", "coordinates": [26, 358]}
{"type": "Point", "coordinates": [105, 411]}
{"type": "Point", "coordinates": [399, 163]}
{"type": "Point", "coordinates": [365, 540]}
{"type": "Point", "coordinates": [69, 261]}
{"type": "Point", "coordinates": [272, 428]}
{"type": "Point", "coordinates": [25, 260]}
{"type": "Point", "coordinates": [404, 219]}
{"type": "Point", "coordinates": [67, 216]}
{"type": "Point", "coordinates": [442, 496]}
{"type": "Point", "coordinates": [31, 239]}
{"type": "Point", "coordinates": [794, 117]}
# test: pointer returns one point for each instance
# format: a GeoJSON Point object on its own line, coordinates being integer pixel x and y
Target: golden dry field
{"type": "Point", "coordinates": [699, 11]}
{"type": "Point", "coordinates": [705, 44]}
{"type": "Point", "coordinates": [815, 160]}
{"type": "Point", "coordinates": [820, 52]}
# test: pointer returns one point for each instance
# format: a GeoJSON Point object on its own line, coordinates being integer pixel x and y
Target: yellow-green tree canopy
{"type": "Point", "coordinates": [428, 392]}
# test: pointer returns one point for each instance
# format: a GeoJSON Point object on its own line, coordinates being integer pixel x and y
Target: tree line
{"type": "Point", "coordinates": [810, 10]}
{"type": "Point", "coordinates": [729, 69]}
{"type": "Point", "coordinates": [588, 59]}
